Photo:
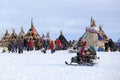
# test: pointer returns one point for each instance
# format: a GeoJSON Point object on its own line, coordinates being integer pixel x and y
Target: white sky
{"type": "Point", "coordinates": [70, 16]}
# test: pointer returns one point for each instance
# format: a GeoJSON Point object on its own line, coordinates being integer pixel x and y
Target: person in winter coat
{"type": "Point", "coordinates": [10, 47]}
{"type": "Point", "coordinates": [106, 46]}
{"type": "Point", "coordinates": [39, 44]}
{"type": "Point", "coordinates": [4, 49]}
{"type": "Point", "coordinates": [79, 45]}
{"type": "Point", "coordinates": [31, 44]}
{"type": "Point", "coordinates": [111, 45]}
{"type": "Point", "coordinates": [36, 44]}
{"type": "Point", "coordinates": [25, 43]}
{"type": "Point", "coordinates": [44, 44]}
{"type": "Point", "coordinates": [52, 46]}
{"type": "Point", "coordinates": [15, 46]}
{"type": "Point", "coordinates": [58, 44]}
{"type": "Point", "coordinates": [20, 46]}
{"type": "Point", "coordinates": [82, 50]}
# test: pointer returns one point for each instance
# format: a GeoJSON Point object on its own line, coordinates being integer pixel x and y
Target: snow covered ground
{"type": "Point", "coordinates": [35, 65]}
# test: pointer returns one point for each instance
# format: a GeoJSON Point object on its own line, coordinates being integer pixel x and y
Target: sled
{"type": "Point", "coordinates": [79, 64]}
{"type": "Point", "coordinates": [86, 60]}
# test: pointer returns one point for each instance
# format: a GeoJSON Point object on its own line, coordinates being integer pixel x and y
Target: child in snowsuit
{"type": "Point", "coordinates": [4, 49]}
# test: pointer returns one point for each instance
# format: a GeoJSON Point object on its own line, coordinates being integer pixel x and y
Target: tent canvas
{"type": "Point", "coordinates": [63, 40]}
{"type": "Point", "coordinates": [102, 33]}
{"type": "Point", "coordinates": [118, 43]}
{"type": "Point", "coordinates": [92, 35]}
{"type": "Point", "coordinates": [32, 33]}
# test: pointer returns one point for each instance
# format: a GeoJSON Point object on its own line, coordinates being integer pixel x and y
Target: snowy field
{"type": "Point", "coordinates": [35, 65]}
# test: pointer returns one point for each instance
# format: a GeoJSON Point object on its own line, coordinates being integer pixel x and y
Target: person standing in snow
{"type": "Point", "coordinates": [52, 46]}
{"type": "Point", "coordinates": [36, 44]}
{"type": "Point", "coordinates": [39, 44]}
{"type": "Point", "coordinates": [10, 47]}
{"type": "Point", "coordinates": [25, 43]}
{"type": "Point", "coordinates": [15, 46]}
{"type": "Point", "coordinates": [111, 45]}
{"type": "Point", "coordinates": [106, 46]}
{"type": "Point", "coordinates": [31, 44]}
{"type": "Point", "coordinates": [58, 42]}
{"type": "Point", "coordinates": [20, 46]}
{"type": "Point", "coordinates": [79, 45]}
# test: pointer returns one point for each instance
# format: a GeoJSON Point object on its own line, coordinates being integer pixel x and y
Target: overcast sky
{"type": "Point", "coordinates": [70, 16]}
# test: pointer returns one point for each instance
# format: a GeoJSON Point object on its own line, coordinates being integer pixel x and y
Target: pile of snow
{"type": "Point", "coordinates": [35, 65]}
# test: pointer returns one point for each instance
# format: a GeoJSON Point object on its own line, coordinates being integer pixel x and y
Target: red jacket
{"type": "Point", "coordinates": [52, 46]}
{"type": "Point", "coordinates": [31, 44]}
{"type": "Point", "coordinates": [58, 42]}
{"type": "Point", "coordinates": [83, 48]}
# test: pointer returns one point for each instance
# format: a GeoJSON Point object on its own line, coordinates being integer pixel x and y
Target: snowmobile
{"type": "Point", "coordinates": [87, 59]}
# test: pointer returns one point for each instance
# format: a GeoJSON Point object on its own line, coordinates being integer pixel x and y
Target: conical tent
{"type": "Point", "coordinates": [32, 33]}
{"type": "Point", "coordinates": [102, 33]}
{"type": "Point", "coordinates": [14, 35]}
{"type": "Point", "coordinates": [6, 35]}
{"type": "Point", "coordinates": [92, 35]}
{"type": "Point", "coordinates": [21, 34]}
{"type": "Point", "coordinates": [6, 39]}
{"type": "Point", "coordinates": [118, 43]}
{"type": "Point", "coordinates": [63, 40]}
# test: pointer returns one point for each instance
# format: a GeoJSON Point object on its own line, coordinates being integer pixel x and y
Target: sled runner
{"type": "Point", "coordinates": [79, 64]}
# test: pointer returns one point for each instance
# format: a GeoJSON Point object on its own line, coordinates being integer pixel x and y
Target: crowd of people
{"type": "Point", "coordinates": [28, 44]}
{"type": "Point", "coordinates": [109, 45]}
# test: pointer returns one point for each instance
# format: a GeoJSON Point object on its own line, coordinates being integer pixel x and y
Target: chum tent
{"type": "Point", "coordinates": [63, 40]}
{"type": "Point", "coordinates": [5, 39]}
{"type": "Point", "coordinates": [14, 35]}
{"type": "Point", "coordinates": [118, 43]}
{"type": "Point", "coordinates": [102, 33]}
{"type": "Point", "coordinates": [21, 34]}
{"type": "Point", "coordinates": [32, 33]}
{"type": "Point", "coordinates": [93, 35]}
